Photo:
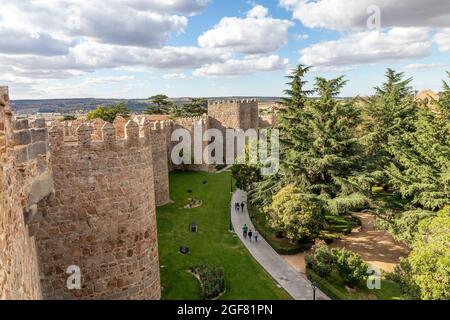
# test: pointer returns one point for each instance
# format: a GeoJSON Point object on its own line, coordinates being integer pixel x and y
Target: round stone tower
{"type": "Point", "coordinates": [99, 229]}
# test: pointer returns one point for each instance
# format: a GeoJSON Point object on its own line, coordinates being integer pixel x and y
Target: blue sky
{"type": "Point", "coordinates": [137, 48]}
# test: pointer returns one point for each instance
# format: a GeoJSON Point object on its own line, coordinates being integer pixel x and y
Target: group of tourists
{"type": "Point", "coordinates": [239, 206]}
{"type": "Point", "coordinates": [249, 233]}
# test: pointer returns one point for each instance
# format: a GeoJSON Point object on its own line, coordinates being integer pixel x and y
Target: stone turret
{"type": "Point", "coordinates": [102, 218]}
{"type": "Point", "coordinates": [78, 195]}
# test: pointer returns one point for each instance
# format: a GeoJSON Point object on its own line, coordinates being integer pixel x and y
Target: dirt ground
{"type": "Point", "coordinates": [297, 261]}
{"type": "Point", "coordinates": [376, 247]}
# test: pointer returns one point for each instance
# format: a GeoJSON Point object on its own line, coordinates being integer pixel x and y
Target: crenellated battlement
{"type": "Point", "coordinates": [190, 121]}
{"type": "Point", "coordinates": [100, 135]}
{"type": "Point", "coordinates": [231, 101]}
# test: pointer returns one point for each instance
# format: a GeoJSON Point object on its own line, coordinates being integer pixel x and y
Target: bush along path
{"type": "Point", "coordinates": [296, 284]}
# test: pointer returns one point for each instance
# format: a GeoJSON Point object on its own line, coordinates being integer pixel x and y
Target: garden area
{"type": "Point", "coordinates": [366, 178]}
{"type": "Point", "coordinates": [216, 257]}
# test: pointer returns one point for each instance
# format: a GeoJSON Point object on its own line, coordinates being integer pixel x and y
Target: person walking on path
{"type": "Point", "coordinates": [245, 230]}
{"type": "Point", "coordinates": [236, 207]}
{"type": "Point", "coordinates": [256, 236]}
{"type": "Point", "coordinates": [242, 206]}
{"type": "Point", "coordinates": [250, 235]}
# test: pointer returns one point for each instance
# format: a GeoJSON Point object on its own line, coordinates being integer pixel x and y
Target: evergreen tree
{"type": "Point", "coordinates": [319, 154]}
{"type": "Point", "coordinates": [290, 115]}
{"type": "Point", "coordinates": [421, 170]}
{"type": "Point", "coordinates": [110, 113]}
{"type": "Point", "coordinates": [160, 104]}
{"type": "Point", "coordinates": [388, 114]}
{"type": "Point", "coordinates": [195, 107]}
{"type": "Point", "coordinates": [121, 109]}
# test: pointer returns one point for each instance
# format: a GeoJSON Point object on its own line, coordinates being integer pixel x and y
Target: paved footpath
{"type": "Point", "coordinates": [296, 284]}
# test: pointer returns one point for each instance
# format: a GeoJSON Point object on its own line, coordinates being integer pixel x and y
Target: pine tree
{"type": "Point", "coordinates": [421, 170]}
{"type": "Point", "coordinates": [160, 105]}
{"type": "Point", "coordinates": [292, 112]}
{"type": "Point", "coordinates": [319, 153]}
{"type": "Point", "coordinates": [387, 115]}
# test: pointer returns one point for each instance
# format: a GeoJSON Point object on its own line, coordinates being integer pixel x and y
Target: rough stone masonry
{"type": "Point", "coordinates": [84, 194]}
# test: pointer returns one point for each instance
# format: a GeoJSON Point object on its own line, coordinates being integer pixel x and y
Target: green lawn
{"type": "Point", "coordinates": [213, 244]}
{"type": "Point", "coordinates": [334, 287]}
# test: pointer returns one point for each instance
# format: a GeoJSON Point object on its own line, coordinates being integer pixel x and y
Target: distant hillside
{"type": "Point", "coordinates": [67, 106]}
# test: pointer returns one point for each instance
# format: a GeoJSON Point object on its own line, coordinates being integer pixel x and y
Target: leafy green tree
{"type": "Point", "coordinates": [425, 273]}
{"type": "Point", "coordinates": [110, 113]}
{"type": "Point", "coordinates": [421, 170]}
{"type": "Point", "coordinates": [351, 266]}
{"type": "Point", "coordinates": [321, 261]}
{"type": "Point", "coordinates": [430, 258]}
{"type": "Point", "coordinates": [160, 104]}
{"type": "Point", "coordinates": [298, 216]}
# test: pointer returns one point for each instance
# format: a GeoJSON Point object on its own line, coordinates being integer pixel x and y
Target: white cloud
{"type": "Point", "coordinates": [442, 38]}
{"type": "Point", "coordinates": [423, 66]}
{"type": "Point", "coordinates": [369, 47]}
{"type": "Point", "coordinates": [352, 14]}
{"type": "Point", "coordinates": [247, 65]}
{"type": "Point", "coordinates": [175, 76]}
{"type": "Point", "coordinates": [21, 42]}
{"type": "Point", "coordinates": [257, 33]}
{"type": "Point", "coordinates": [188, 7]}
{"type": "Point", "coordinates": [111, 22]}
{"type": "Point", "coordinates": [258, 12]}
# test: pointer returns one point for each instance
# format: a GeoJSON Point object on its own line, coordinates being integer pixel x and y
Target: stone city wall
{"type": "Point", "coordinates": [102, 217]}
{"type": "Point", "coordinates": [24, 180]}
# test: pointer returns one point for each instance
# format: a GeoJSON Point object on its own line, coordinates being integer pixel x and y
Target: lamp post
{"type": "Point", "coordinates": [231, 206]}
{"type": "Point", "coordinates": [314, 286]}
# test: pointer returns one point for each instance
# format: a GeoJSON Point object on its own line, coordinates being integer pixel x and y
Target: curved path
{"type": "Point", "coordinates": [376, 247]}
{"type": "Point", "coordinates": [296, 284]}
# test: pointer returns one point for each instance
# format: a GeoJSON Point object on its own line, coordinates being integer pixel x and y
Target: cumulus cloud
{"type": "Point", "coordinates": [21, 42]}
{"type": "Point", "coordinates": [247, 65]}
{"type": "Point", "coordinates": [369, 47]}
{"type": "Point", "coordinates": [442, 39]}
{"type": "Point", "coordinates": [111, 22]}
{"type": "Point", "coordinates": [257, 33]}
{"type": "Point", "coordinates": [353, 14]}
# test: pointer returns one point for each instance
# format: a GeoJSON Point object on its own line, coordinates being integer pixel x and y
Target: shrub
{"type": "Point", "coordinates": [402, 275]}
{"type": "Point", "coordinates": [321, 261]}
{"type": "Point", "coordinates": [351, 266]}
{"type": "Point", "coordinates": [296, 215]}
{"type": "Point", "coordinates": [212, 280]}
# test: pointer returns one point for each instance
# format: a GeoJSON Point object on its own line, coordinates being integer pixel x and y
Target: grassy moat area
{"type": "Point", "coordinates": [213, 244]}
